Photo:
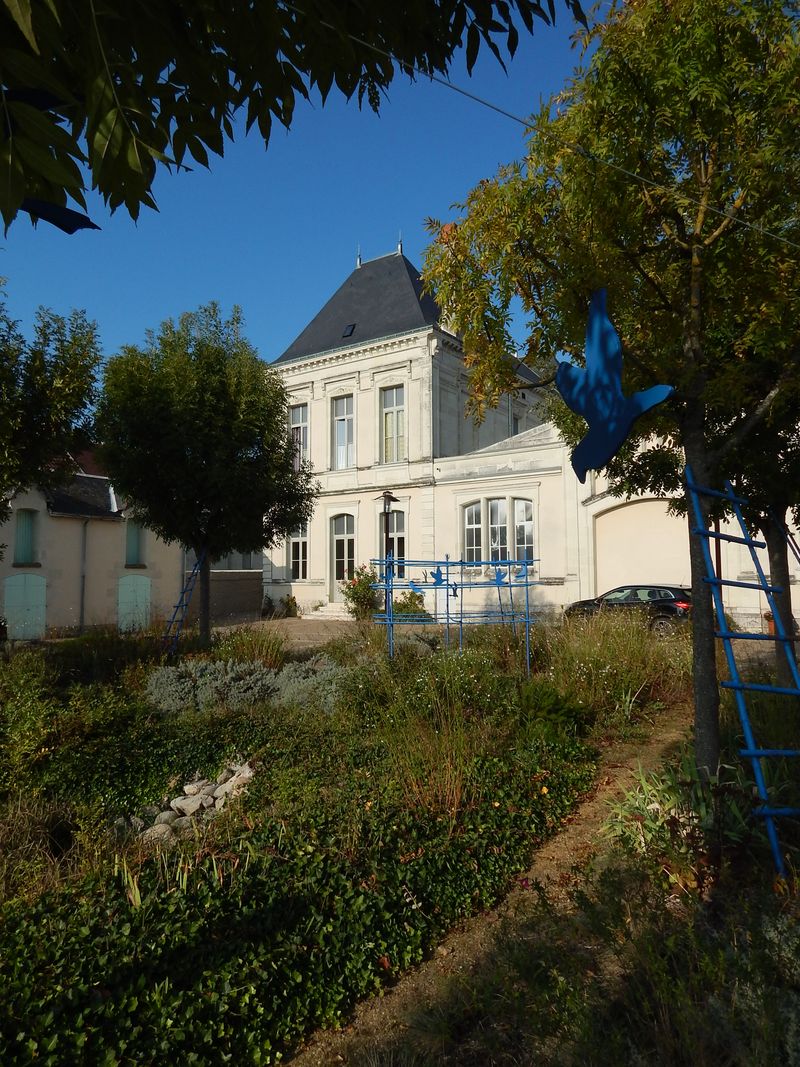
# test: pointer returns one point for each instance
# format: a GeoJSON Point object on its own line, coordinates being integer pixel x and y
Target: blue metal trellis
{"type": "Point", "coordinates": [449, 580]}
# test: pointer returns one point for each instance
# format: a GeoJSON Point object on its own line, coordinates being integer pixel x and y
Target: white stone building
{"type": "Point", "coordinates": [378, 389]}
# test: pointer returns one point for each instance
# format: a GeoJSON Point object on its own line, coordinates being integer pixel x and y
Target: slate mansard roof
{"type": "Point", "coordinates": [381, 298]}
{"type": "Point", "coordinates": [88, 496]}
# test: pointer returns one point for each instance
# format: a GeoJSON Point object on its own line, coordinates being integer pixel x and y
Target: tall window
{"type": "Point", "coordinates": [344, 547]}
{"type": "Point", "coordinates": [298, 427]}
{"type": "Point", "coordinates": [523, 529]}
{"type": "Point", "coordinates": [298, 552]}
{"type": "Point", "coordinates": [393, 424]}
{"type": "Point", "coordinates": [25, 538]}
{"type": "Point", "coordinates": [472, 533]}
{"type": "Point", "coordinates": [397, 539]}
{"type": "Point", "coordinates": [134, 544]}
{"type": "Point", "coordinates": [498, 529]}
{"type": "Point", "coordinates": [343, 441]}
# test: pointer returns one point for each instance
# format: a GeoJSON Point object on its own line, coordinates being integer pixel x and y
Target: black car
{"type": "Point", "coordinates": [666, 605]}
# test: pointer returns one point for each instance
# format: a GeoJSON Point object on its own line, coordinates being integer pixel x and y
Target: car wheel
{"type": "Point", "coordinates": [662, 626]}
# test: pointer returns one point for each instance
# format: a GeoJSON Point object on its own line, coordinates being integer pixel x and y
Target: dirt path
{"type": "Point", "coordinates": [380, 1019]}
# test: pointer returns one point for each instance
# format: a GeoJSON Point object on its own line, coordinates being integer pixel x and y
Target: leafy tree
{"type": "Point", "coordinates": [121, 87]}
{"type": "Point", "coordinates": [667, 172]}
{"type": "Point", "coordinates": [193, 431]}
{"type": "Point", "coordinates": [46, 386]}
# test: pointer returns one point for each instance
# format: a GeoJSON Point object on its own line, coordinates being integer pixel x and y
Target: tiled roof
{"type": "Point", "coordinates": [87, 496]}
{"type": "Point", "coordinates": [381, 298]}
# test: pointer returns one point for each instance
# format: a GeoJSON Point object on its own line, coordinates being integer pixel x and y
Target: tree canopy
{"type": "Point", "coordinates": [122, 87]}
{"type": "Point", "coordinates": [193, 431]}
{"type": "Point", "coordinates": [668, 173]}
{"type": "Point", "coordinates": [46, 389]}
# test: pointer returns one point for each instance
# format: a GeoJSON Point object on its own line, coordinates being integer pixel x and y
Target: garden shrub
{"type": "Point", "coordinates": [613, 665]}
{"type": "Point", "coordinates": [313, 682]}
{"type": "Point", "coordinates": [543, 708]}
{"type": "Point", "coordinates": [198, 685]}
{"type": "Point", "coordinates": [360, 599]}
{"type": "Point", "coordinates": [410, 603]}
{"type": "Point", "coordinates": [100, 655]}
{"type": "Point", "coordinates": [251, 644]}
{"type": "Point", "coordinates": [464, 680]}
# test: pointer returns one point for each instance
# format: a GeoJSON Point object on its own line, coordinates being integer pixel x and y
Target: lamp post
{"type": "Point", "coordinates": [388, 499]}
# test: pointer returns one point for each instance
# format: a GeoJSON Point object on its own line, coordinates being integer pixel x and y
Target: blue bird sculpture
{"type": "Point", "coordinates": [63, 217]}
{"type": "Point", "coordinates": [595, 392]}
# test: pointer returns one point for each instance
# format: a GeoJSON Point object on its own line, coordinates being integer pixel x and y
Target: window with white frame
{"type": "Point", "coordinates": [298, 428]}
{"type": "Point", "coordinates": [472, 533]}
{"type": "Point", "coordinates": [25, 546]}
{"type": "Point", "coordinates": [487, 522]}
{"type": "Point", "coordinates": [134, 544]}
{"type": "Point", "coordinates": [498, 528]}
{"type": "Point", "coordinates": [397, 539]}
{"type": "Point", "coordinates": [523, 529]}
{"type": "Point", "coordinates": [298, 552]}
{"type": "Point", "coordinates": [343, 452]}
{"type": "Point", "coordinates": [393, 424]}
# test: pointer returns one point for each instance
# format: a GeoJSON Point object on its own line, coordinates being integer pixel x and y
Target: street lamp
{"type": "Point", "coordinates": [388, 499]}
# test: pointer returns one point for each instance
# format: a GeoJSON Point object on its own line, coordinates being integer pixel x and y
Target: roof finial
{"type": "Point", "coordinates": [400, 243]}
{"type": "Point", "coordinates": [358, 256]}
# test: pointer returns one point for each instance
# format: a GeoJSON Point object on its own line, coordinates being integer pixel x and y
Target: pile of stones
{"type": "Point", "coordinates": [201, 799]}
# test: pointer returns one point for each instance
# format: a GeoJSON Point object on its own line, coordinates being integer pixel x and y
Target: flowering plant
{"type": "Point", "coordinates": [359, 596]}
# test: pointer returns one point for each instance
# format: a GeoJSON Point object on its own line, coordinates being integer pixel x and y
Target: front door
{"type": "Point", "coordinates": [343, 545]}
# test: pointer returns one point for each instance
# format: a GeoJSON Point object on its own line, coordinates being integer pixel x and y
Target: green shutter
{"type": "Point", "coordinates": [24, 547]}
{"type": "Point", "coordinates": [133, 544]}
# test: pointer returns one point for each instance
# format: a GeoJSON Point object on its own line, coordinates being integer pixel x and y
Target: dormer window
{"type": "Point", "coordinates": [349, 330]}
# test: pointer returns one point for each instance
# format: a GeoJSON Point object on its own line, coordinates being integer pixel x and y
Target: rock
{"type": "Point", "coordinates": [219, 804]}
{"type": "Point", "coordinates": [159, 834]}
{"type": "Point", "coordinates": [150, 811]}
{"type": "Point", "coordinates": [191, 789]}
{"type": "Point", "coordinates": [225, 788]}
{"type": "Point", "coordinates": [186, 805]}
{"type": "Point", "coordinates": [137, 824]}
{"type": "Point", "coordinates": [180, 826]}
{"type": "Point", "coordinates": [224, 776]}
{"type": "Point", "coordinates": [121, 828]}
{"type": "Point", "coordinates": [208, 790]}
{"type": "Point", "coordinates": [166, 818]}
{"type": "Point", "coordinates": [208, 802]}
{"type": "Point", "coordinates": [244, 772]}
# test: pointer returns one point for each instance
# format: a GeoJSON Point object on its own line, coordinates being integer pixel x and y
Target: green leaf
{"type": "Point", "coordinates": [20, 11]}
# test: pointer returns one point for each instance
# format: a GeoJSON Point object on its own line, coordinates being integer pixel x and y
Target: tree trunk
{"type": "Point", "coordinates": [205, 600]}
{"type": "Point", "coordinates": [778, 551]}
{"type": "Point", "coordinates": [706, 688]}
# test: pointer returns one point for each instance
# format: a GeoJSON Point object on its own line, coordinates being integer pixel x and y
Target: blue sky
{"type": "Point", "coordinates": [276, 230]}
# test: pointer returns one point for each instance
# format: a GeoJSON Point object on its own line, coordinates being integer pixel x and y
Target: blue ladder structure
{"type": "Point", "coordinates": [752, 751]}
{"type": "Point", "coordinates": [175, 624]}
